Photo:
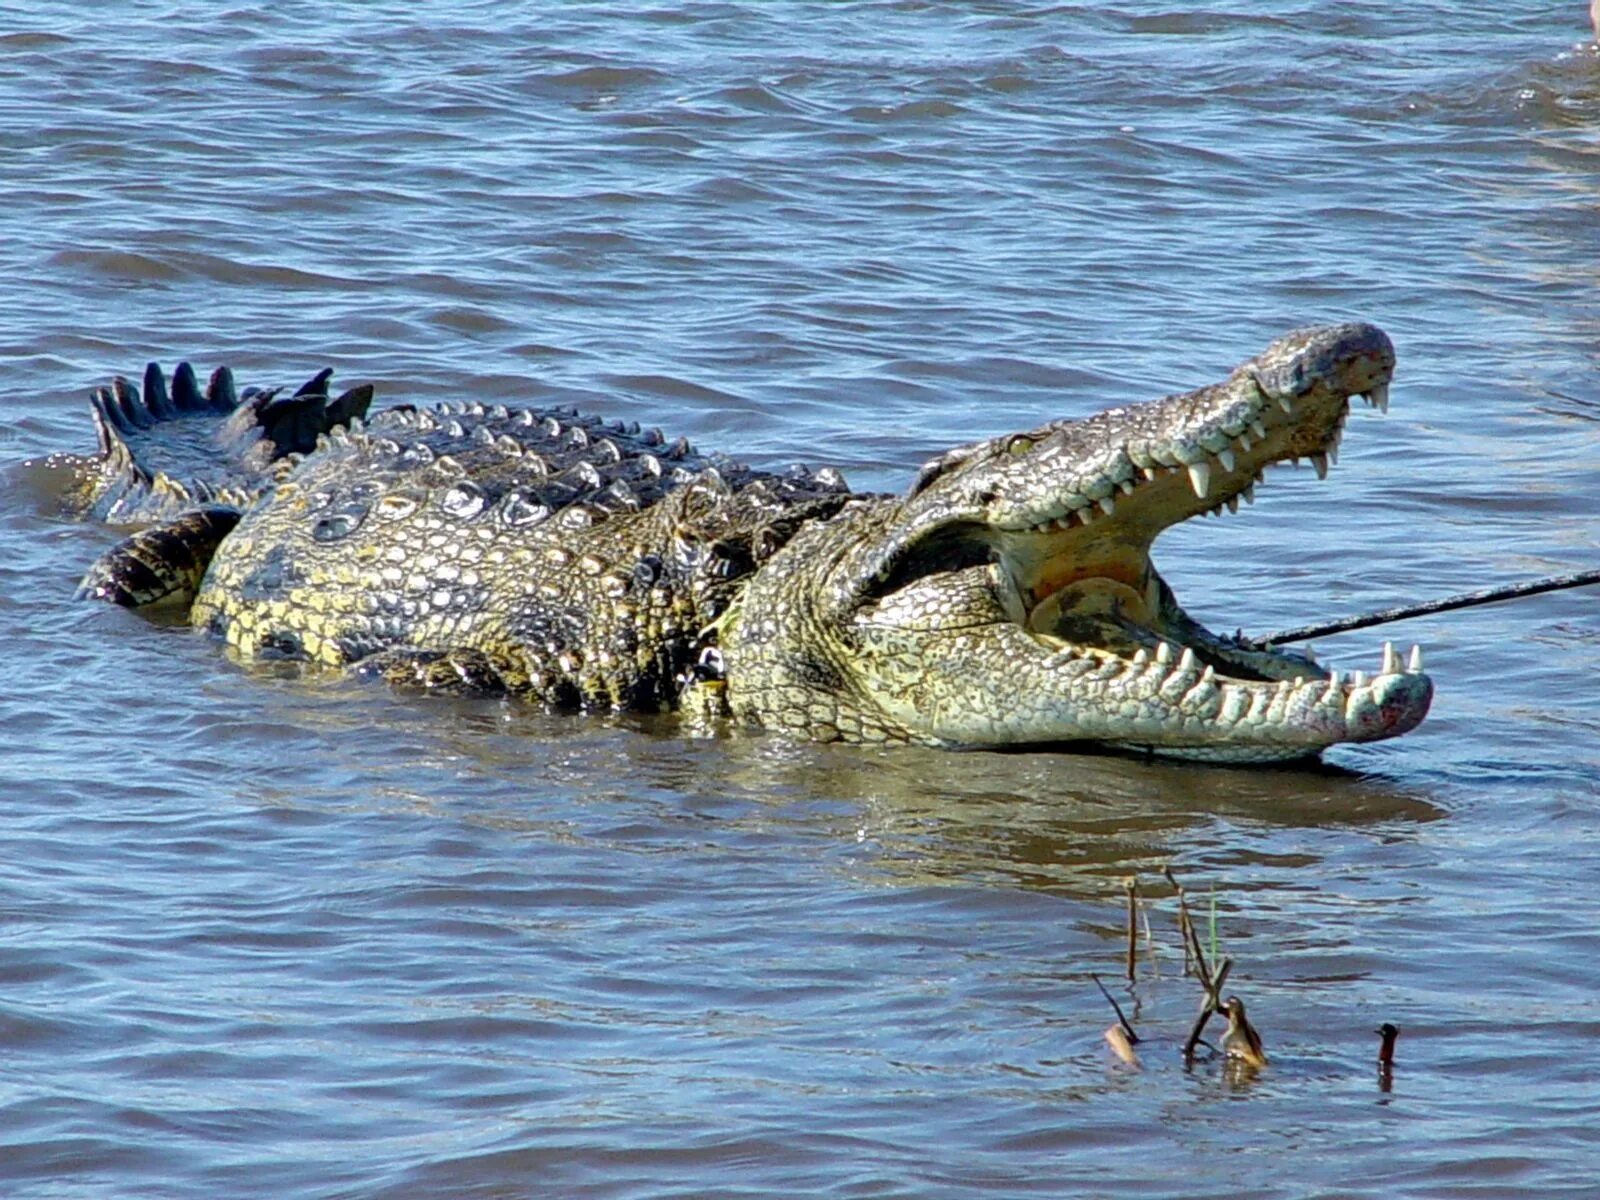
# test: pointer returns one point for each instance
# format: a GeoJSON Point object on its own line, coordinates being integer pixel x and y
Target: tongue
{"type": "Point", "coordinates": [1092, 612]}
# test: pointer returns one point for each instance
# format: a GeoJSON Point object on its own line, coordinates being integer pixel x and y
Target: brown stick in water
{"type": "Point", "coordinates": [1211, 1004]}
{"type": "Point", "coordinates": [1185, 926]}
{"type": "Point", "coordinates": [1131, 884]}
{"type": "Point", "coordinates": [1127, 1029]}
{"type": "Point", "coordinates": [1389, 1033]}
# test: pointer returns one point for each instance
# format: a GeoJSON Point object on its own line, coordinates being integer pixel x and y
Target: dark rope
{"type": "Point", "coordinates": [1531, 587]}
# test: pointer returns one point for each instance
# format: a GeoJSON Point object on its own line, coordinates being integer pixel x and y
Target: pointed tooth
{"type": "Point", "coordinates": [1320, 462]}
{"type": "Point", "coordinates": [1260, 430]}
{"type": "Point", "coordinates": [1414, 664]}
{"type": "Point", "coordinates": [1378, 396]}
{"type": "Point", "coordinates": [1244, 443]}
{"type": "Point", "coordinates": [1391, 660]}
{"type": "Point", "coordinates": [1107, 505]}
{"type": "Point", "coordinates": [1127, 487]}
{"type": "Point", "coordinates": [1164, 653]}
{"type": "Point", "coordinates": [1358, 679]}
{"type": "Point", "coordinates": [1233, 504]}
{"type": "Point", "coordinates": [1249, 493]}
{"type": "Point", "coordinates": [1311, 655]}
{"type": "Point", "coordinates": [1209, 675]}
{"type": "Point", "coordinates": [1200, 478]}
{"type": "Point", "coordinates": [1186, 663]}
{"type": "Point", "coordinates": [1225, 457]}
{"type": "Point", "coordinates": [1141, 657]}
{"type": "Point", "coordinates": [1286, 404]}
{"type": "Point", "coordinates": [1148, 472]}
{"type": "Point", "coordinates": [1335, 681]}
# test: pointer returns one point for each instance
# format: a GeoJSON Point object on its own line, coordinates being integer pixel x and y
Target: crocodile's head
{"type": "Point", "coordinates": [1009, 597]}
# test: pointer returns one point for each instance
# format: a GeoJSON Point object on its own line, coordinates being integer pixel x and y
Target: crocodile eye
{"type": "Point", "coordinates": [1019, 444]}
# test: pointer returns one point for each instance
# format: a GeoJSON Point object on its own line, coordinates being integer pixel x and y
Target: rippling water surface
{"type": "Point", "coordinates": [263, 936]}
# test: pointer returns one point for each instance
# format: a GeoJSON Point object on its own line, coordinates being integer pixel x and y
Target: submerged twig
{"type": "Point", "coordinates": [1127, 1029]}
{"type": "Point", "coordinates": [1117, 1039]}
{"type": "Point", "coordinates": [1131, 885]}
{"type": "Point", "coordinates": [1388, 1033]}
{"type": "Point", "coordinates": [1185, 926]}
{"type": "Point", "coordinates": [1211, 1004]}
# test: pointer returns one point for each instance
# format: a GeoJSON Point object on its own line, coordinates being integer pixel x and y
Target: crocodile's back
{"type": "Point", "coordinates": [580, 558]}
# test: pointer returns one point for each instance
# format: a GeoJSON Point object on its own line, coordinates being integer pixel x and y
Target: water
{"type": "Point", "coordinates": [262, 936]}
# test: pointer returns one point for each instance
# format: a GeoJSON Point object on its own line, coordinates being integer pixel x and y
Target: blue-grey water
{"type": "Point", "coordinates": [264, 936]}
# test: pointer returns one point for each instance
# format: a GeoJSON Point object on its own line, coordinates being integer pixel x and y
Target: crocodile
{"type": "Point", "coordinates": [1006, 599]}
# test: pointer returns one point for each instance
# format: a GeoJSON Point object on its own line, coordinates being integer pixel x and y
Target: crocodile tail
{"type": "Point", "coordinates": [161, 564]}
{"type": "Point", "coordinates": [164, 447]}
{"type": "Point", "coordinates": [114, 484]}
{"type": "Point", "coordinates": [140, 470]}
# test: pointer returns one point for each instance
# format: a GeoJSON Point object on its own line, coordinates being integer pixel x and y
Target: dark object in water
{"type": "Point", "coordinates": [1241, 1042]}
{"type": "Point", "coordinates": [1390, 1032]}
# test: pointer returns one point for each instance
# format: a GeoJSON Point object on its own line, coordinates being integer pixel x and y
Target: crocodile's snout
{"type": "Point", "coordinates": [1347, 359]}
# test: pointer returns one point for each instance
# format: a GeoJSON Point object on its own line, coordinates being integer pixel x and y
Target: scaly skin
{"type": "Point", "coordinates": [545, 555]}
{"type": "Point", "coordinates": [1008, 598]}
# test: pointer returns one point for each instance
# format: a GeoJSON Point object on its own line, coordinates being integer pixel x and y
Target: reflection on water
{"type": "Point", "coordinates": [1069, 824]}
{"type": "Point", "coordinates": [270, 934]}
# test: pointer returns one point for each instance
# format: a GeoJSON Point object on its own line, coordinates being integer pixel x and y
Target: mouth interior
{"type": "Point", "coordinates": [1085, 581]}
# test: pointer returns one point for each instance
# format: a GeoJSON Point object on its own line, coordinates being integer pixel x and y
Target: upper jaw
{"type": "Point", "coordinates": [1100, 488]}
{"type": "Point", "coordinates": [1150, 464]}
{"type": "Point", "coordinates": [1158, 463]}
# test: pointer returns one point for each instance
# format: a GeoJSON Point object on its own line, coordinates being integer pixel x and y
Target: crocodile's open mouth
{"type": "Point", "coordinates": [1064, 517]}
{"type": "Point", "coordinates": [1084, 578]}
{"type": "Point", "coordinates": [1082, 582]}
